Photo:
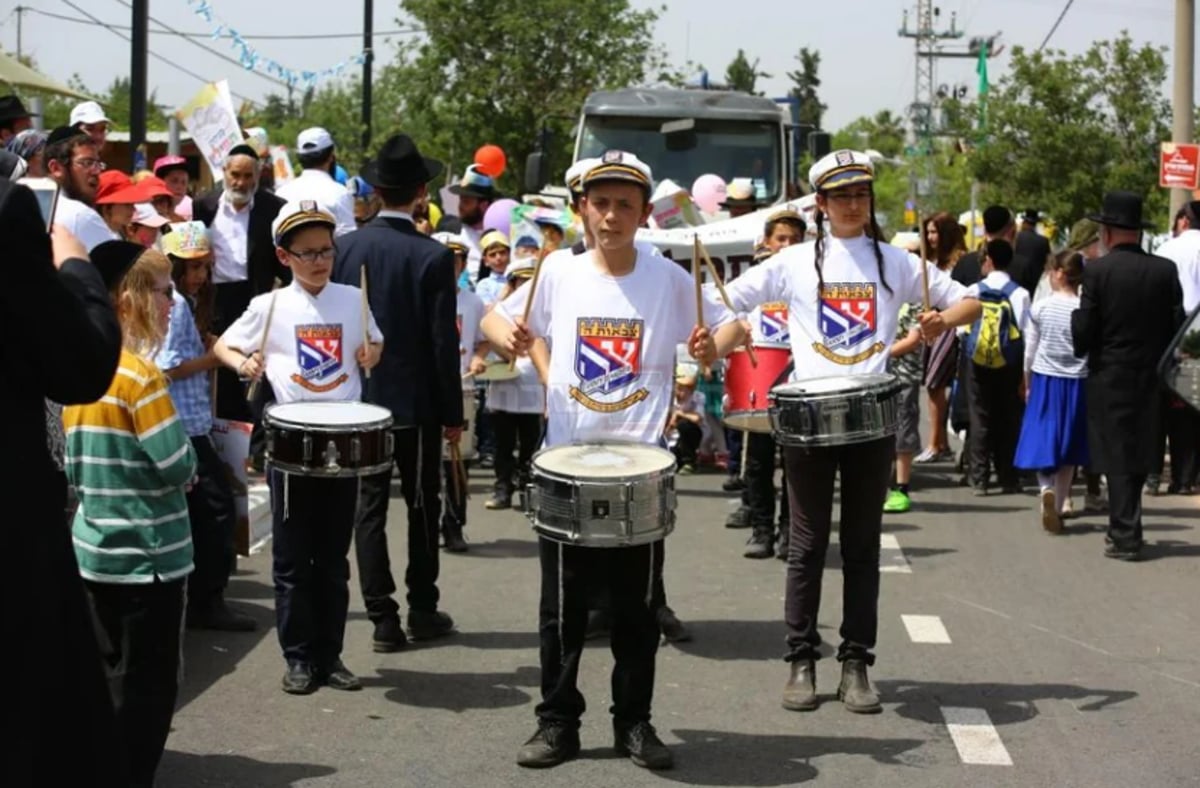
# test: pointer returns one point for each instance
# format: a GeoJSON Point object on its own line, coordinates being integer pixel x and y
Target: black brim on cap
{"type": "Point", "coordinates": [473, 191]}
{"type": "Point", "coordinates": [1122, 224]}
{"type": "Point", "coordinates": [113, 259]}
{"type": "Point", "coordinates": [370, 173]}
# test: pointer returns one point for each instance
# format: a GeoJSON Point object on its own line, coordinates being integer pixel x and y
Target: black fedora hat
{"type": "Point", "coordinates": [475, 184]}
{"type": "Point", "coordinates": [1121, 209]}
{"type": "Point", "coordinates": [11, 109]}
{"type": "Point", "coordinates": [113, 259]}
{"type": "Point", "coordinates": [399, 164]}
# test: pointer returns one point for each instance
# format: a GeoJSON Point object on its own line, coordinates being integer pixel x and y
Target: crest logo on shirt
{"type": "Point", "coordinates": [848, 317]}
{"type": "Point", "coordinates": [773, 324]}
{"type": "Point", "coordinates": [608, 359]}
{"type": "Point", "coordinates": [319, 356]}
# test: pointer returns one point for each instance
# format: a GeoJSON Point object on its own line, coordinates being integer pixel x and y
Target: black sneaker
{"type": "Point", "coordinates": [761, 544]}
{"type": "Point", "coordinates": [739, 518]}
{"type": "Point", "coordinates": [389, 636]}
{"type": "Point", "coordinates": [641, 744]}
{"type": "Point", "coordinates": [426, 625]}
{"type": "Point", "coordinates": [673, 630]}
{"type": "Point", "coordinates": [452, 538]}
{"type": "Point", "coordinates": [1122, 553]}
{"type": "Point", "coordinates": [553, 743]}
{"type": "Point", "coordinates": [338, 676]}
{"type": "Point", "coordinates": [733, 484]}
{"type": "Point", "coordinates": [299, 679]}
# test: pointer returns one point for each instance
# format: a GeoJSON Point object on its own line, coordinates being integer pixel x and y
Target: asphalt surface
{"type": "Point", "coordinates": [1063, 668]}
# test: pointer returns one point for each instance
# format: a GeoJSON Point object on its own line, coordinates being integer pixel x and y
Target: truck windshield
{"type": "Point", "coordinates": [728, 148]}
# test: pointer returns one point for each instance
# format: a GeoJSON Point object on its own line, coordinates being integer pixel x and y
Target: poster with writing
{"type": "Point", "coordinates": [210, 120]}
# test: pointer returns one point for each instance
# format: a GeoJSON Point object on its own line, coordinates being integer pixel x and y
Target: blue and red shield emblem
{"type": "Point", "coordinates": [848, 314]}
{"type": "Point", "coordinates": [608, 354]}
{"type": "Point", "coordinates": [319, 351]}
{"type": "Point", "coordinates": [773, 323]}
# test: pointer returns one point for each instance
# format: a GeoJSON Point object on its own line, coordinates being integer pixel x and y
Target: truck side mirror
{"type": "Point", "coordinates": [535, 172]}
{"type": "Point", "coordinates": [1180, 366]}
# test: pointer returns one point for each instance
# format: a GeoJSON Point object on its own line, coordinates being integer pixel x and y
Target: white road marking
{"type": "Point", "coordinates": [891, 558]}
{"type": "Point", "coordinates": [975, 737]}
{"type": "Point", "coordinates": [925, 629]}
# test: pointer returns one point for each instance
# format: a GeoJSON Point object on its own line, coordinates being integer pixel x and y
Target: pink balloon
{"type": "Point", "coordinates": [708, 192]}
{"type": "Point", "coordinates": [499, 215]}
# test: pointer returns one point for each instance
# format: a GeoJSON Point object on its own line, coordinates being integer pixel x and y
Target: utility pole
{"type": "Point", "coordinates": [921, 111]}
{"type": "Point", "coordinates": [139, 41]}
{"type": "Point", "coordinates": [1183, 95]}
{"type": "Point", "coordinates": [20, 16]}
{"type": "Point", "coordinates": [368, 57]}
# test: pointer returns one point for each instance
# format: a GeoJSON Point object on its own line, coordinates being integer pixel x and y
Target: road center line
{"type": "Point", "coordinates": [975, 737]}
{"type": "Point", "coordinates": [925, 629]}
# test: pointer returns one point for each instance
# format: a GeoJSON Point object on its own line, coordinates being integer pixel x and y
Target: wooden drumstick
{"type": "Point", "coordinates": [537, 272]}
{"type": "Point", "coordinates": [262, 345]}
{"type": "Point", "coordinates": [697, 262]}
{"type": "Point", "coordinates": [924, 261]}
{"type": "Point", "coordinates": [712, 270]}
{"type": "Point", "coordinates": [454, 460]}
{"type": "Point", "coordinates": [366, 312]}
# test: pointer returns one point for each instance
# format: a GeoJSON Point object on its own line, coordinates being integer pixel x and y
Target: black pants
{"type": "Point", "coordinates": [865, 470]}
{"type": "Point", "coordinates": [995, 405]}
{"type": "Point", "coordinates": [688, 443]}
{"type": "Point", "coordinates": [418, 454]}
{"type": "Point", "coordinates": [454, 502]}
{"type": "Point", "coordinates": [733, 442]}
{"type": "Point", "coordinates": [1180, 429]}
{"type": "Point", "coordinates": [138, 627]}
{"type": "Point", "coordinates": [760, 483]}
{"type": "Point", "coordinates": [211, 510]}
{"type": "Point", "coordinates": [520, 432]}
{"type": "Point", "coordinates": [1125, 509]}
{"type": "Point", "coordinates": [629, 576]}
{"type": "Point", "coordinates": [311, 523]}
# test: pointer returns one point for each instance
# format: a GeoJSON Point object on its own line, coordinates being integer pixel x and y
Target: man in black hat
{"type": "Point", "coordinates": [14, 118]}
{"type": "Point", "coordinates": [411, 285]}
{"type": "Point", "coordinates": [476, 192]}
{"type": "Point", "coordinates": [1130, 308]}
{"type": "Point", "coordinates": [1031, 244]}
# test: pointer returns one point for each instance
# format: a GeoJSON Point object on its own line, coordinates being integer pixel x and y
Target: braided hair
{"type": "Point", "coordinates": [873, 230]}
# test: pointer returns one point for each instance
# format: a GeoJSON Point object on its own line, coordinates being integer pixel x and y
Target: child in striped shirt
{"type": "Point", "coordinates": [130, 462]}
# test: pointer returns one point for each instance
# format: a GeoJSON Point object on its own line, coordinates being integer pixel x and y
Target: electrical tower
{"type": "Point", "coordinates": [921, 111]}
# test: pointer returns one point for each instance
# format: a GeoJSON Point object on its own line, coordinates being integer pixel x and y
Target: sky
{"type": "Point", "coordinates": [865, 65]}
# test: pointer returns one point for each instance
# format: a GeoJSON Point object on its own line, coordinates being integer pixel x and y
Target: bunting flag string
{"type": "Point", "coordinates": [251, 60]}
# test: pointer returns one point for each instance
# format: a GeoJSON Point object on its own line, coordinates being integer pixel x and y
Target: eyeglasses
{"type": "Point", "coordinates": [312, 256]}
{"type": "Point", "coordinates": [91, 164]}
{"type": "Point", "coordinates": [849, 197]}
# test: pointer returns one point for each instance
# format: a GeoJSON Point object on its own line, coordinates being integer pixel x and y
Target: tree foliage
{"type": "Point", "coordinates": [806, 81]}
{"type": "Point", "coordinates": [56, 109]}
{"type": "Point", "coordinates": [743, 75]}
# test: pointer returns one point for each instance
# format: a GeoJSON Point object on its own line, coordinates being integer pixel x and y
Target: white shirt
{"type": "Point", "coordinates": [1184, 251]}
{"type": "Point", "coordinates": [852, 325]}
{"type": "Point", "coordinates": [83, 222]}
{"type": "Point", "coordinates": [313, 341]}
{"type": "Point", "coordinates": [612, 344]}
{"type": "Point", "coordinates": [523, 394]}
{"type": "Point", "coordinates": [474, 251]}
{"type": "Point", "coordinates": [1049, 349]}
{"type": "Point", "coordinates": [320, 186]}
{"type": "Point", "coordinates": [468, 315]}
{"type": "Point", "coordinates": [1019, 299]}
{"type": "Point", "coordinates": [230, 241]}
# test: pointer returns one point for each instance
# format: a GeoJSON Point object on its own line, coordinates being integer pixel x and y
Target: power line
{"type": "Point", "coordinates": [248, 37]}
{"type": "Point", "coordinates": [1057, 22]}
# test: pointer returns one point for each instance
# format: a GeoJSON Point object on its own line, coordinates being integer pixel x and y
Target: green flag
{"type": "Point", "coordinates": [981, 68]}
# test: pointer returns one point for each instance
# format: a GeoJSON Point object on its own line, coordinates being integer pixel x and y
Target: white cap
{"type": "Point", "coordinates": [455, 241]}
{"type": "Point", "coordinates": [299, 213]}
{"type": "Point", "coordinates": [616, 165]}
{"type": "Point", "coordinates": [739, 189]}
{"type": "Point", "coordinates": [314, 140]}
{"type": "Point", "coordinates": [574, 177]}
{"type": "Point", "coordinates": [88, 112]}
{"type": "Point", "coordinates": [145, 215]}
{"type": "Point", "coordinates": [522, 266]}
{"type": "Point", "coordinates": [841, 168]}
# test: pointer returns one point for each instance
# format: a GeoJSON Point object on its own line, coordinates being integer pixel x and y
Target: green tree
{"type": "Point", "coordinates": [743, 75]}
{"type": "Point", "coordinates": [883, 131]}
{"type": "Point", "coordinates": [806, 81]}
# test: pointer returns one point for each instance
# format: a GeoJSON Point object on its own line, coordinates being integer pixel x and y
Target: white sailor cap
{"type": "Point", "coordinates": [521, 268]}
{"type": "Point", "coordinates": [299, 213]}
{"type": "Point", "coordinates": [841, 168]}
{"type": "Point", "coordinates": [575, 173]}
{"type": "Point", "coordinates": [456, 242]}
{"type": "Point", "coordinates": [616, 165]}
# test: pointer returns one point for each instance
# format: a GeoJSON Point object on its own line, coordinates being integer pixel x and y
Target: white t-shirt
{"type": "Point", "coordinates": [612, 344]}
{"type": "Point", "coordinates": [83, 221]}
{"type": "Point", "coordinates": [1184, 251]}
{"type": "Point", "coordinates": [320, 186]}
{"type": "Point", "coordinates": [524, 394]}
{"type": "Point", "coordinates": [313, 341]}
{"type": "Point", "coordinates": [850, 328]}
{"type": "Point", "coordinates": [468, 316]}
{"type": "Point", "coordinates": [1019, 299]}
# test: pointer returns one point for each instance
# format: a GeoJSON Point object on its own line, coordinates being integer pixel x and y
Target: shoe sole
{"type": "Point", "coordinates": [429, 635]}
{"type": "Point", "coordinates": [873, 709]}
{"type": "Point", "coordinates": [380, 647]}
{"type": "Point", "coordinates": [299, 690]}
{"type": "Point", "coordinates": [637, 761]}
{"type": "Point", "coordinates": [547, 764]}
{"type": "Point", "coordinates": [1051, 521]}
{"type": "Point", "coordinates": [798, 706]}
{"type": "Point", "coordinates": [759, 556]}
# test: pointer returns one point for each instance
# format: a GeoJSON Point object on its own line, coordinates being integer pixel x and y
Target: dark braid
{"type": "Point", "coordinates": [819, 251]}
{"type": "Point", "coordinates": [875, 233]}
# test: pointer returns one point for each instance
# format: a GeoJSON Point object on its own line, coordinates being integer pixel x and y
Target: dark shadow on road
{"type": "Point", "coordinates": [249, 587]}
{"type": "Point", "coordinates": [1152, 511]}
{"type": "Point", "coordinates": [1169, 548]}
{"type": "Point", "coordinates": [993, 505]}
{"type": "Point", "coordinates": [833, 559]}
{"type": "Point", "coordinates": [502, 548]}
{"type": "Point", "coordinates": [751, 640]}
{"type": "Point", "coordinates": [185, 769]}
{"type": "Point", "coordinates": [456, 692]}
{"type": "Point", "coordinates": [208, 655]}
{"type": "Point", "coordinates": [895, 527]}
{"type": "Point", "coordinates": [722, 758]}
{"type": "Point", "coordinates": [1005, 703]}
{"type": "Point", "coordinates": [494, 640]}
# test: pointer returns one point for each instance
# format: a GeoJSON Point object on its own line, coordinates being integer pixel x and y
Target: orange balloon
{"type": "Point", "coordinates": [490, 160]}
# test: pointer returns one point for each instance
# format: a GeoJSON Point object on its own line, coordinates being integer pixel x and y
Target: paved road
{"type": "Point", "coordinates": [1057, 666]}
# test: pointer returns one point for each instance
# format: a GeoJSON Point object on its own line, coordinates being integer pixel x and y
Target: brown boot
{"type": "Point", "coordinates": [800, 693]}
{"type": "Point", "coordinates": [855, 691]}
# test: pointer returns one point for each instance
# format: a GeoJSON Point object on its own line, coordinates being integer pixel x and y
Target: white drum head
{"type": "Point", "coordinates": [832, 384]}
{"type": "Point", "coordinates": [604, 460]}
{"type": "Point", "coordinates": [498, 371]}
{"type": "Point", "coordinates": [328, 414]}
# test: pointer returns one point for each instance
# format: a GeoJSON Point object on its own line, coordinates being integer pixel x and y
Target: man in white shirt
{"type": "Point", "coordinates": [73, 162]}
{"type": "Point", "coordinates": [476, 192]}
{"type": "Point", "coordinates": [318, 157]}
{"type": "Point", "coordinates": [1184, 251]}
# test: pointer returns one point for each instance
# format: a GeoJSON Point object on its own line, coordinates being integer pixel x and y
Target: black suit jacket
{"type": "Point", "coordinates": [413, 296]}
{"type": "Point", "coordinates": [262, 266]}
{"type": "Point", "coordinates": [62, 341]}
{"type": "Point", "coordinates": [1034, 248]}
{"type": "Point", "coordinates": [1130, 309]}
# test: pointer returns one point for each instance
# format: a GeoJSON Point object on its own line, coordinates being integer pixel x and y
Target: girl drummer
{"type": "Point", "coordinates": [844, 294]}
{"type": "Point", "coordinates": [308, 338]}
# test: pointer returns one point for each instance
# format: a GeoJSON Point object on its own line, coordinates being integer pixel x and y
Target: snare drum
{"type": "Point", "coordinates": [498, 370]}
{"type": "Point", "coordinates": [603, 494]}
{"type": "Point", "coordinates": [747, 387]}
{"type": "Point", "coordinates": [329, 439]}
{"type": "Point", "coordinates": [466, 444]}
{"type": "Point", "coordinates": [833, 411]}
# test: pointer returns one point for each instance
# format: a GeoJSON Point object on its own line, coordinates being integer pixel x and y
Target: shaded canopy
{"type": "Point", "coordinates": [15, 73]}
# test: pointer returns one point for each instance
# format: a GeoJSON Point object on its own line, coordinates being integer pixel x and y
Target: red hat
{"type": "Point", "coordinates": [153, 186]}
{"type": "Point", "coordinates": [117, 189]}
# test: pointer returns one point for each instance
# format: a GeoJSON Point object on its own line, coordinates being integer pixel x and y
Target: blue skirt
{"type": "Point", "coordinates": [1054, 431]}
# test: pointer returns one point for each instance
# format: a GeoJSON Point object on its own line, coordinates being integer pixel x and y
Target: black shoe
{"type": "Point", "coordinates": [338, 677]}
{"type": "Point", "coordinates": [733, 484]}
{"type": "Point", "coordinates": [389, 636]}
{"type": "Point", "coordinates": [855, 691]}
{"type": "Point", "coordinates": [452, 538]}
{"type": "Point", "coordinates": [760, 545]}
{"type": "Point", "coordinates": [800, 692]}
{"type": "Point", "coordinates": [487, 462]}
{"type": "Point", "coordinates": [218, 616]}
{"type": "Point", "coordinates": [673, 630]}
{"type": "Point", "coordinates": [599, 625]}
{"type": "Point", "coordinates": [781, 545]}
{"type": "Point", "coordinates": [427, 625]}
{"type": "Point", "coordinates": [642, 746]}
{"type": "Point", "coordinates": [739, 518]}
{"type": "Point", "coordinates": [498, 501]}
{"type": "Point", "coordinates": [553, 743]}
{"type": "Point", "coordinates": [299, 679]}
{"type": "Point", "coordinates": [1122, 553]}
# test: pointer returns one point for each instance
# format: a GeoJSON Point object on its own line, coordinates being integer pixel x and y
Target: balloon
{"type": "Point", "coordinates": [435, 214]}
{"type": "Point", "coordinates": [499, 215]}
{"type": "Point", "coordinates": [491, 160]}
{"type": "Point", "coordinates": [708, 192]}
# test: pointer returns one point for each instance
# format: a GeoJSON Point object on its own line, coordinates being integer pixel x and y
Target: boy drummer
{"type": "Point", "coordinates": [844, 294]}
{"type": "Point", "coordinates": [308, 338]}
{"type": "Point", "coordinates": [628, 310]}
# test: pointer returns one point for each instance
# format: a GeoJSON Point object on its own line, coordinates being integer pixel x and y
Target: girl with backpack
{"type": "Point", "coordinates": [1053, 437]}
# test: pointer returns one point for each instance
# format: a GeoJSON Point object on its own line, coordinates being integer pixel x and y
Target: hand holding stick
{"type": "Point", "coordinates": [537, 273]}
{"type": "Point", "coordinates": [697, 262]}
{"type": "Point", "coordinates": [252, 392]}
{"type": "Point", "coordinates": [366, 312]}
{"type": "Point", "coordinates": [712, 270]}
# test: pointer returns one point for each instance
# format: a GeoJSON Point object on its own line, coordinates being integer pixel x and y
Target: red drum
{"type": "Point", "coordinates": [746, 386]}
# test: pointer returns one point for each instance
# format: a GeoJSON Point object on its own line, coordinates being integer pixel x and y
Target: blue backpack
{"type": "Point", "coordinates": [995, 341]}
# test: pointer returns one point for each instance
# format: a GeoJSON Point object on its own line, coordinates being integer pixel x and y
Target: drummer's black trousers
{"type": "Point", "coordinates": [629, 575]}
{"type": "Point", "coordinates": [761, 453]}
{"type": "Point", "coordinates": [865, 470]}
